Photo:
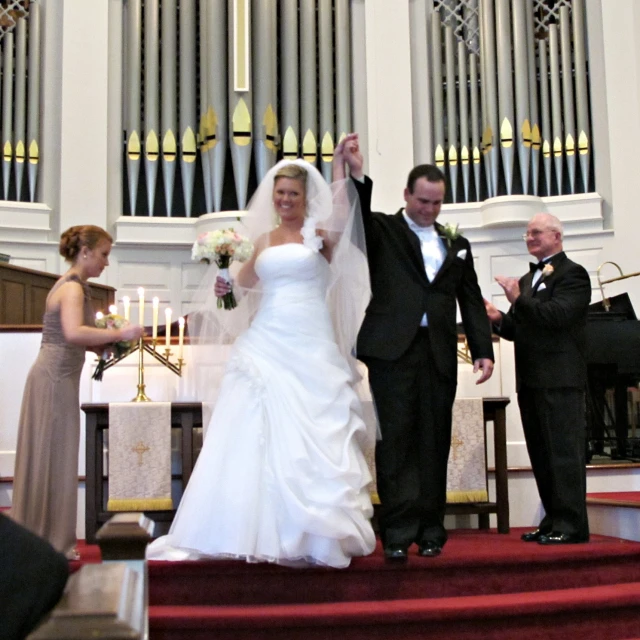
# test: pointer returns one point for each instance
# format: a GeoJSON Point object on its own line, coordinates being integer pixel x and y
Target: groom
{"type": "Point", "coordinates": [408, 341]}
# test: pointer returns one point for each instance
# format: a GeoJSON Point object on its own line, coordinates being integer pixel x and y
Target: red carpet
{"type": "Point", "coordinates": [484, 586]}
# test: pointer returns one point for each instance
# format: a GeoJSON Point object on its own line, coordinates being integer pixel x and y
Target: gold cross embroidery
{"type": "Point", "coordinates": [455, 443]}
{"type": "Point", "coordinates": [140, 448]}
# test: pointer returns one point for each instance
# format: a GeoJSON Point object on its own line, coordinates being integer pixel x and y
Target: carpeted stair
{"type": "Point", "coordinates": [485, 585]}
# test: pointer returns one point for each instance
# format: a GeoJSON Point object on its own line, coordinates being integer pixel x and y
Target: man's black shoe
{"type": "Point", "coordinates": [556, 537]}
{"type": "Point", "coordinates": [429, 549]}
{"type": "Point", "coordinates": [396, 553]}
{"type": "Point", "coordinates": [533, 536]}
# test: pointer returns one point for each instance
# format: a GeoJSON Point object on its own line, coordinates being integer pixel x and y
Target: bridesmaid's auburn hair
{"type": "Point", "coordinates": [83, 235]}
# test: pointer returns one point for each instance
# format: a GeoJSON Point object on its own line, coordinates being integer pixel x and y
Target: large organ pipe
{"type": "Point", "coordinates": [536, 141]}
{"type": "Point", "coordinates": [475, 121]}
{"type": "Point", "coordinates": [582, 99]}
{"type": "Point", "coordinates": [463, 91]}
{"type": "Point", "coordinates": [265, 123]}
{"type": "Point", "coordinates": [151, 102]}
{"type": "Point", "coordinates": [168, 101]}
{"type": "Point", "coordinates": [240, 96]}
{"type": "Point", "coordinates": [343, 69]}
{"type": "Point", "coordinates": [556, 101]}
{"type": "Point", "coordinates": [289, 78]}
{"type": "Point", "coordinates": [505, 89]}
{"type": "Point", "coordinates": [217, 114]}
{"type": "Point", "coordinates": [325, 48]}
{"type": "Point", "coordinates": [436, 74]}
{"type": "Point", "coordinates": [567, 96]}
{"type": "Point", "coordinates": [7, 111]}
{"type": "Point", "coordinates": [546, 114]}
{"type": "Point", "coordinates": [452, 115]}
{"type": "Point", "coordinates": [204, 133]}
{"type": "Point", "coordinates": [420, 82]}
{"type": "Point", "coordinates": [464, 117]}
{"type": "Point", "coordinates": [33, 123]}
{"type": "Point", "coordinates": [521, 75]}
{"type": "Point", "coordinates": [188, 102]}
{"type": "Point", "coordinates": [490, 134]}
{"type": "Point", "coordinates": [132, 112]}
{"type": "Point", "coordinates": [20, 103]}
{"type": "Point", "coordinates": [309, 115]}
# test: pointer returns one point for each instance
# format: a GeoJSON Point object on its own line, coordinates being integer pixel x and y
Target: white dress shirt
{"type": "Point", "coordinates": [432, 248]}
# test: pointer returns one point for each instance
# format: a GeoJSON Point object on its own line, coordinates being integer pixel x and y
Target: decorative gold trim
{"type": "Point", "coordinates": [169, 147]}
{"type": "Point", "coordinates": [241, 45]}
{"type": "Point", "coordinates": [506, 134]}
{"type": "Point", "coordinates": [241, 123]}
{"type": "Point", "coordinates": [583, 143]}
{"type": "Point", "coordinates": [34, 152]}
{"type": "Point", "coordinates": [133, 146]}
{"type": "Point", "coordinates": [309, 147]}
{"type": "Point", "coordinates": [152, 146]}
{"type": "Point", "coordinates": [290, 144]}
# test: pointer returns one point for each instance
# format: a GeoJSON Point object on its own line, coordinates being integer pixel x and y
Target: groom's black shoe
{"type": "Point", "coordinates": [557, 537]}
{"type": "Point", "coordinates": [533, 536]}
{"type": "Point", "coordinates": [396, 553]}
{"type": "Point", "coordinates": [429, 549]}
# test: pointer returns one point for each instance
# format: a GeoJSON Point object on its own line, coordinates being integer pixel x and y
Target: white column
{"type": "Point", "coordinates": [621, 56]}
{"type": "Point", "coordinates": [83, 112]}
{"type": "Point", "coordinates": [390, 127]}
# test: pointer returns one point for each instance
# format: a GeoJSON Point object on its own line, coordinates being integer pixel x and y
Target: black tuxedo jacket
{"type": "Point", "coordinates": [402, 293]}
{"type": "Point", "coordinates": [547, 324]}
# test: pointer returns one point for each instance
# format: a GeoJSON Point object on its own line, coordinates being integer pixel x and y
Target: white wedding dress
{"type": "Point", "coordinates": [281, 476]}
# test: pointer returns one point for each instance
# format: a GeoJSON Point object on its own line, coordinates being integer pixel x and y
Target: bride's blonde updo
{"type": "Point", "coordinates": [294, 172]}
{"type": "Point", "coordinates": [83, 235]}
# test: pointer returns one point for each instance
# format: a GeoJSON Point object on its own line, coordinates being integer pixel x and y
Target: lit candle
{"type": "Point", "coordinates": [126, 302]}
{"type": "Point", "coordinates": [156, 303]}
{"type": "Point", "coordinates": [141, 305]}
{"type": "Point", "coordinates": [167, 315]}
{"type": "Point", "coordinates": [99, 315]}
{"type": "Point", "coordinates": [180, 337]}
{"type": "Point", "coordinates": [113, 309]}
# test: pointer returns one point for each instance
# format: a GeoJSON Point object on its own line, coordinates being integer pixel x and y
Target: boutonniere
{"type": "Point", "coordinates": [450, 233]}
{"type": "Point", "coordinates": [547, 270]}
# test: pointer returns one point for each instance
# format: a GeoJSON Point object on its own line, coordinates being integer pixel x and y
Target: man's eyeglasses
{"type": "Point", "coordinates": [533, 234]}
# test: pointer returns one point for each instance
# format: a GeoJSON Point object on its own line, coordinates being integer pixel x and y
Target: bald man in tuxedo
{"type": "Point", "coordinates": [547, 323]}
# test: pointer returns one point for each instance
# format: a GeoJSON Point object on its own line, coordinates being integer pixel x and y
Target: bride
{"type": "Point", "coordinates": [282, 476]}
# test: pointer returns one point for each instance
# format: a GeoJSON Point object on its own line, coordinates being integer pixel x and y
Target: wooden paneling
{"type": "Point", "coordinates": [23, 295]}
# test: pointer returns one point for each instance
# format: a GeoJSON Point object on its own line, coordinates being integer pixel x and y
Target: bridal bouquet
{"type": "Point", "coordinates": [119, 349]}
{"type": "Point", "coordinates": [222, 247]}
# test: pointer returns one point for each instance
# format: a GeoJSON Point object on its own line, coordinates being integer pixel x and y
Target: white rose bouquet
{"type": "Point", "coordinates": [119, 349]}
{"type": "Point", "coordinates": [222, 247]}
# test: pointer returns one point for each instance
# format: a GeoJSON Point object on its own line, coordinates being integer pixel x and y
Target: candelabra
{"type": "Point", "coordinates": [163, 358]}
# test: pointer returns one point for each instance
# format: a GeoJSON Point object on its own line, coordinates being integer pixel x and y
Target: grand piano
{"type": "Point", "coordinates": [613, 365]}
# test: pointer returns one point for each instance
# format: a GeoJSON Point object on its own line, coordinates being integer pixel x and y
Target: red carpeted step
{"type": "Point", "coordinates": [473, 563]}
{"type": "Point", "coordinates": [588, 613]}
{"type": "Point", "coordinates": [616, 498]}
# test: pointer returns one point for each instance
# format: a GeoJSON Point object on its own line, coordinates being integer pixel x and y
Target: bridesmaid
{"type": "Point", "coordinates": [45, 488]}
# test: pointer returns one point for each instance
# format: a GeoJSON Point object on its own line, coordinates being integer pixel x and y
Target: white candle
{"type": "Point", "coordinates": [99, 315]}
{"type": "Point", "coordinates": [113, 309]}
{"type": "Point", "coordinates": [126, 302]}
{"type": "Point", "coordinates": [167, 315]}
{"type": "Point", "coordinates": [156, 303]}
{"type": "Point", "coordinates": [180, 337]}
{"type": "Point", "coordinates": [141, 305]}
